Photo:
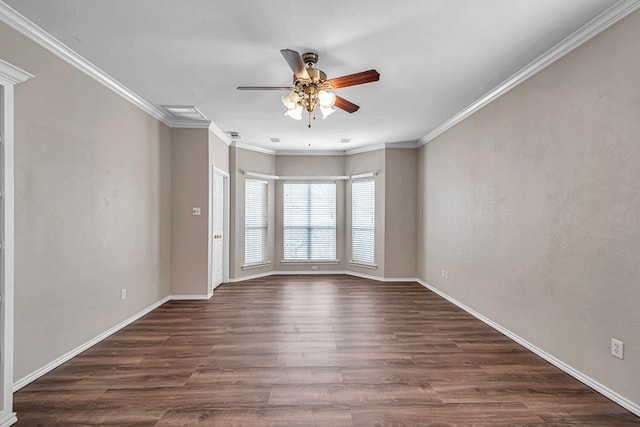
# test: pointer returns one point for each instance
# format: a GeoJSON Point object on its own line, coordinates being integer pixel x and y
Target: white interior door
{"type": "Point", "coordinates": [218, 228]}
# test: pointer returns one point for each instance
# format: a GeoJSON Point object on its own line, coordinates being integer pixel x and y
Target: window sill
{"type": "Point", "coordinates": [256, 265]}
{"type": "Point", "coordinates": [363, 265]}
{"type": "Point", "coordinates": [310, 261]}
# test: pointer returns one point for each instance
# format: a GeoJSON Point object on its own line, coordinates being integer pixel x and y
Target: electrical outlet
{"type": "Point", "coordinates": [123, 294]}
{"type": "Point", "coordinates": [617, 348]}
{"type": "Point", "coordinates": [196, 211]}
{"type": "Point", "coordinates": [314, 267]}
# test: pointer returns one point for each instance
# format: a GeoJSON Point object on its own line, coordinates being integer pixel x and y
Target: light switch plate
{"type": "Point", "coordinates": [196, 211]}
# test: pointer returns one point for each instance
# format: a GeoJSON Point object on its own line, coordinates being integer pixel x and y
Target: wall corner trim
{"type": "Point", "coordinates": [615, 13]}
{"type": "Point", "coordinates": [607, 392]}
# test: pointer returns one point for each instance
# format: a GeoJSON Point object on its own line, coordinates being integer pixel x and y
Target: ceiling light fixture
{"type": "Point", "coordinates": [311, 88]}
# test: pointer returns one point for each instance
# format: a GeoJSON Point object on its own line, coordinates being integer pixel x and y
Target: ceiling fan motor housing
{"type": "Point", "coordinates": [310, 58]}
{"type": "Point", "coordinates": [316, 76]}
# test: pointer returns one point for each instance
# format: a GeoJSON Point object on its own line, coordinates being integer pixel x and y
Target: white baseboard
{"type": "Point", "coordinates": [307, 272]}
{"type": "Point", "coordinates": [190, 297]}
{"type": "Point", "coordinates": [67, 356]}
{"type": "Point", "coordinates": [621, 400]}
{"type": "Point", "coordinates": [8, 419]}
{"type": "Point", "coordinates": [380, 279]}
{"type": "Point", "coordinates": [316, 272]}
{"type": "Point", "coordinates": [253, 276]}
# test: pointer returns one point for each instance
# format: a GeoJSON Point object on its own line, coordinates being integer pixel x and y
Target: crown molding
{"type": "Point", "coordinates": [186, 123]}
{"type": "Point", "coordinates": [27, 28]}
{"type": "Point", "coordinates": [403, 144]}
{"type": "Point", "coordinates": [224, 136]}
{"type": "Point", "coordinates": [365, 149]}
{"type": "Point", "coordinates": [13, 74]}
{"type": "Point", "coordinates": [594, 27]}
{"type": "Point", "coordinates": [310, 152]}
{"type": "Point", "coordinates": [252, 148]}
{"type": "Point", "coordinates": [387, 145]}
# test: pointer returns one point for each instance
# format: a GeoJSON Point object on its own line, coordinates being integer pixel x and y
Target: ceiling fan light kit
{"type": "Point", "coordinates": [312, 89]}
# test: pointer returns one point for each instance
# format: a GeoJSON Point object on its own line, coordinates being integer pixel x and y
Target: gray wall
{"type": "Point", "coordinates": [189, 189]}
{"type": "Point", "coordinates": [241, 161]}
{"type": "Point", "coordinates": [371, 161]}
{"type": "Point", "coordinates": [92, 203]}
{"type": "Point", "coordinates": [190, 149]}
{"type": "Point", "coordinates": [218, 153]}
{"type": "Point", "coordinates": [400, 204]}
{"type": "Point", "coordinates": [532, 205]}
{"type": "Point", "coordinates": [396, 216]}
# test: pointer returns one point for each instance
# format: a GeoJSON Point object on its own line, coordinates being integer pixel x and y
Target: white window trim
{"type": "Point", "coordinates": [363, 265]}
{"type": "Point", "coordinates": [310, 261]}
{"type": "Point", "coordinates": [265, 262]}
{"type": "Point", "coordinates": [253, 265]}
{"type": "Point", "coordinates": [356, 179]}
{"type": "Point", "coordinates": [310, 180]}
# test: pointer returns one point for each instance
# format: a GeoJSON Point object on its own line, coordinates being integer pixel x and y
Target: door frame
{"type": "Point", "coordinates": [9, 77]}
{"type": "Point", "coordinates": [213, 171]}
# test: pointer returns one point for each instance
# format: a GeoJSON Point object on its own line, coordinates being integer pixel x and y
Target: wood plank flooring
{"type": "Point", "coordinates": [312, 351]}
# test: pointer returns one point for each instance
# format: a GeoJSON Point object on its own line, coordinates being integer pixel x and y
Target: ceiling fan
{"type": "Point", "coordinates": [312, 89]}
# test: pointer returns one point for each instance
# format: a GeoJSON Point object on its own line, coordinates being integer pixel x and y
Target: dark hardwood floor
{"type": "Point", "coordinates": [312, 351]}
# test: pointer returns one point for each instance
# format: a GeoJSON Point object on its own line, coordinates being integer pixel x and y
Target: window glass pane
{"type": "Point", "coordinates": [255, 221]}
{"type": "Point", "coordinates": [363, 221]}
{"type": "Point", "coordinates": [309, 221]}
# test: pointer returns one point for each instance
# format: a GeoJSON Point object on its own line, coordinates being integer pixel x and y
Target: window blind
{"type": "Point", "coordinates": [363, 218]}
{"type": "Point", "coordinates": [255, 221]}
{"type": "Point", "coordinates": [309, 220]}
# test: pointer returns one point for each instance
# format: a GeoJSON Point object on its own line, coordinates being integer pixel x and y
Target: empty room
{"type": "Point", "coordinates": [303, 213]}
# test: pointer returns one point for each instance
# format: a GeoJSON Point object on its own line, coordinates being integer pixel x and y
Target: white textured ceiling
{"type": "Point", "coordinates": [435, 57]}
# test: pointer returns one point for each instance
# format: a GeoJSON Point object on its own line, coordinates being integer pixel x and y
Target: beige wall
{"type": "Point", "coordinates": [240, 161]}
{"type": "Point", "coordinates": [189, 189]}
{"type": "Point", "coordinates": [371, 161]}
{"type": "Point", "coordinates": [92, 202]}
{"type": "Point", "coordinates": [218, 153]}
{"type": "Point", "coordinates": [400, 242]}
{"type": "Point", "coordinates": [532, 205]}
{"type": "Point", "coordinates": [399, 259]}
{"type": "Point", "coordinates": [310, 166]}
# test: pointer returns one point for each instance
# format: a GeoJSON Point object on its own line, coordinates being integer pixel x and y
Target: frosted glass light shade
{"type": "Point", "coordinates": [326, 111]}
{"type": "Point", "coordinates": [326, 99]}
{"type": "Point", "coordinates": [295, 113]}
{"type": "Point", "coordinates": [291, 100]}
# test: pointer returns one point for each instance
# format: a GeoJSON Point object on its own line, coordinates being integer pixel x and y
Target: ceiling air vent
{"type": "Point", "coordinates": [345, 140]}
{"type": "Point", "coordinates": [233, 134]}
{"type": "Point", "coordinates": [274, 139]}
{"type": "Point", "coordinates": [185, 112]}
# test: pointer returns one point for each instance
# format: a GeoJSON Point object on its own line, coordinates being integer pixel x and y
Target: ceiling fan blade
{"type": "Point", "coordinates": [265, 88]}
{"type": "Point", "coordinates": [294, 60]}
{"type": "Point", "coordinates": [345, 105]}
{"type": "Point", "coordinates": [355, 79]}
